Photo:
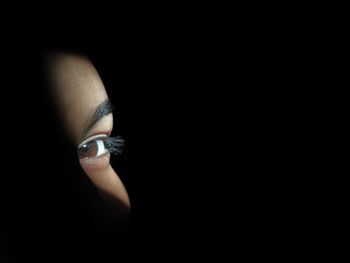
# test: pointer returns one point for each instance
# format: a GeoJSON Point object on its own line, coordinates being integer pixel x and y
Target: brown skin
{"type": "Point", "coordinates": [77, 89]}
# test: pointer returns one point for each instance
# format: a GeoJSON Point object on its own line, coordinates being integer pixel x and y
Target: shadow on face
{"type": "Point", "coordinates": [49, 205]}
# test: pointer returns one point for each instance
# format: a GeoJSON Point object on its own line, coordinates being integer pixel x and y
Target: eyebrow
{"type": "Point", "coordinates": [96, 115]}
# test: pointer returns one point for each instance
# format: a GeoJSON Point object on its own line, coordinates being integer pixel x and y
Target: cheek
{"type": "Point", "coordinates": [95, 164]}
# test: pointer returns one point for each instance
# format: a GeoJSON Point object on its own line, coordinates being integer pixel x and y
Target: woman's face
{"type": "Point", "coordinates": [48, 204]}
{"type": "Point", "coordinates": [86, 113]}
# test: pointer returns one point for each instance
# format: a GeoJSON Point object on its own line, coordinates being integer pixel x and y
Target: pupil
{"type": "Point", "coordinates": [84, 148]}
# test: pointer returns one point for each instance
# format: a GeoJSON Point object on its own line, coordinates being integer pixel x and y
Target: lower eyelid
{"type": "Point", "coordinates": [95, 163]}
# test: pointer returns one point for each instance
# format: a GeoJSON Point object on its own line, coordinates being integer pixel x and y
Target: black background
{"type": "Point", "coordinates": [164, 87]}
{"type": "Point", "coordinates": [205, 123]}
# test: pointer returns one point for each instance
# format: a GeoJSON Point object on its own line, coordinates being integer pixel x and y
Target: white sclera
{"type": "Point", "coordinates": [100, 148]}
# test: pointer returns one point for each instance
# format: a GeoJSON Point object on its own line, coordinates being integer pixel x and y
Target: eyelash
{"type": "Point", "coordinates": [113, 145]}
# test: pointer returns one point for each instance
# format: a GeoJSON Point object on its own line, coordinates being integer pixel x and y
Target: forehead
{"type": "Point", "coordinates": [77, 90]}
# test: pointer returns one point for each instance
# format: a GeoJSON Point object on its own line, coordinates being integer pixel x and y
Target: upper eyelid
{"type": "Point", "coordinates": [104, 129]}
{"type": "Point", "coordinates": [91, 138]}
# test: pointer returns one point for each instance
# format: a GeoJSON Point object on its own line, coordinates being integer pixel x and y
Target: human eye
{"type": "Point", "coordinates": [94, 152]}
